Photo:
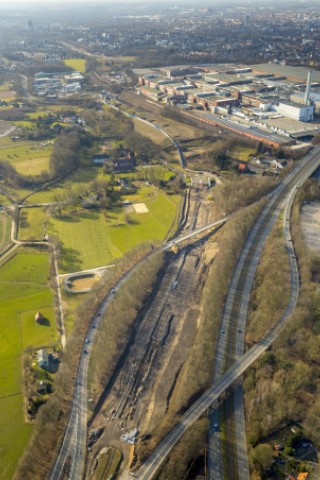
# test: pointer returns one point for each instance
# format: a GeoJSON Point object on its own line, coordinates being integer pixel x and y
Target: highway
{"type": "Point", "coordinates": [74, 442]}
{"type": "Point", "coordinates": [282, 196]}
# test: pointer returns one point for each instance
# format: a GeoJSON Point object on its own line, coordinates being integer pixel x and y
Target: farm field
{"type": "Point", "coordinates": [28, 158]}
{"type": "Point", "coordinates": [78, 64]}
{"type": "Point", "coordinates": [23, 292]}
{"type": "Point", "coordinates": [111, 234]}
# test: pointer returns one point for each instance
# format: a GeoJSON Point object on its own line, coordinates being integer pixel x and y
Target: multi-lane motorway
{"type": "Point", "coordinates": [282, 196]}
{"type": "Point", "coordinates": [73, 449]}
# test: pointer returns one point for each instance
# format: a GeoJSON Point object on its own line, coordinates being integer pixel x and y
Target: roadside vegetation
{"type": "Point", "coordinates": [237, 192]}
{"type": "Point", "coordinates": [196, 374]}
{"type": "Point", "coordinates": [284, 381]}
{"type": "Point", "coordinates": [118, 323]}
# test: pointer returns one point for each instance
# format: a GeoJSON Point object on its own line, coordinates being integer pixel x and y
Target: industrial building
{"type": "Point", "coordinates": [243, 95]}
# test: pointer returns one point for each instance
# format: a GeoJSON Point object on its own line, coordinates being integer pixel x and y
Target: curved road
{"type": "Point", "coordinates": [74, 442]}
{"type": "Point", "coordinates": [288, 188]}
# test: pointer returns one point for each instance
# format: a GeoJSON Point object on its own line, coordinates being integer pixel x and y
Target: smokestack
{"type": "Point", "coordinates": [307, 94]}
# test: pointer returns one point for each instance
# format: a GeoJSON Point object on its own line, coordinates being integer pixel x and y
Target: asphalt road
{"type": "Point", "coordinates": [74, 442]}
{"type": "Point", "coordinates": [288, 187]}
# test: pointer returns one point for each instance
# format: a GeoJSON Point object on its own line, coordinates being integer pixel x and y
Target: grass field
{"type": "Point", "coordinates": [25, 124]}
{"type": "Point", "coordinates": [23, 292]}
{"type": "Point", "coordinates": [5, 227]}
{"type": "Point", "coordinates": [28, 158]}
{"type": "Point", "coordinates": [78, 64]}
{"type": "Point", "coordinates": [109, 234]}
{"type": "Point", "coordinates": [243, 153]}
{"type": "Point", "coordinates": [6, 93]}
{"type": "Point", "coordinates": [32, 224]}
{"type": "Point", "coordinates": [155, 135]}
{"type": "Point", "coordinates": [81, 177]}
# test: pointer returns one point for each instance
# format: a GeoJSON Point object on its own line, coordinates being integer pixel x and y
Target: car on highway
{"type": "Point", "coordinates": [222, 331]}
{"type": "Point", "coordinates": [215, 427]}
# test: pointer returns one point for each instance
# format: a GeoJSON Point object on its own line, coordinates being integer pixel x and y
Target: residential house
{"type": "Point", "coordinates": [43, 358]}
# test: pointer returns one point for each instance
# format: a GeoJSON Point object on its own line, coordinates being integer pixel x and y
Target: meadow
{"type": "Point", "coordinates": [32, 223]}
{"type": "Point", "coordinates": [28, 158]}
{"type": "Point", "coordinates": [23, 292]}
{"type": "Point", "coordinates": [80, 177]}
{"type": "Point", "coordinates": [243, 153]}
{"type": "Point", "coordinates": [5, 226]}
{"type": "Point", "coordinates": [6, 93]}
{"type": "Point", "coordinates": [77, 64]}
{"type": "Point", "coordinates": [95, 238]}
{"type": "Point", "coordinates": [146, 130]}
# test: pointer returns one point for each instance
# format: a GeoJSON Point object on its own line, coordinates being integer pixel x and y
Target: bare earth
{"type": "Point", "coordinates": [140, 208]}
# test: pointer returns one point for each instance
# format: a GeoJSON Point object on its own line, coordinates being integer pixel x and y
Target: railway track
{"type": "Point", "coordinates": [234, 317]}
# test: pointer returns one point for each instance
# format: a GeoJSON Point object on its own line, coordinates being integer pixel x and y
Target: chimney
{"type": "Point", "coordinates": [307, 94]}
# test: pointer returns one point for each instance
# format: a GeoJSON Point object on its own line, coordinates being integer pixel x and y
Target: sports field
{"type": "Point", "coordinates": [95, 238]}
{"type": "Point", "coordinates": [23, 292]}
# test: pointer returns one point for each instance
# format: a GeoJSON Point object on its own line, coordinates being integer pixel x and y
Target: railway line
{"type": "Point", "coordinates": [73, 451]}
{"type": "Point", "coordinates": [235, 313]}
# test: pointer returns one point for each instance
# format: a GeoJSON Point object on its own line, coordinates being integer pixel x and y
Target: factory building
{"type": "Point", "coordinates": [304, 113]}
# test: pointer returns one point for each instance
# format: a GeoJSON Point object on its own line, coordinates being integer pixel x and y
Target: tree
{"type": "Point", "coordinates": [260, 148]}
{"type": "Point", "coordinates": [262, 456]}
{"type": "Point", "coordinates": [222, 161]}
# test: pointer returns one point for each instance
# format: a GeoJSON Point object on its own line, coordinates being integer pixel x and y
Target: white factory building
{"type": "Point", "coordinates": [304, 113]}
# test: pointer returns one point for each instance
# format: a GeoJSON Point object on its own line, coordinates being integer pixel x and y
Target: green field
{"type": "Point", "coordinates": [25, 124]}
{"type": "Point", "coordinates": [95, 238]}
{"type": "Point", "coordinates": [154, 134]}
{"type": "Point", "coordinates": [32, 224]}
{"type": "Point", "coordinates": [5, 228]}
{"type": "Point", "coordinates": [77, 64]}
{"type": "Point", "coordinates": [28, 158]}
{"type": "Point", "coordinates": [243, 153]}
{"type": "Point", "coordinates": [23, 292]}
{"type": "Point", "coordinates": [81, 177]}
